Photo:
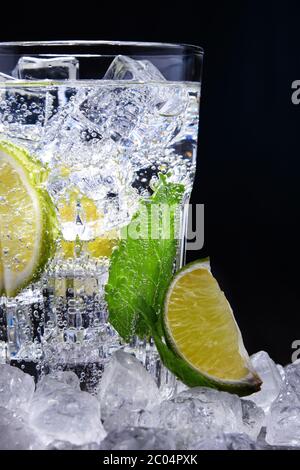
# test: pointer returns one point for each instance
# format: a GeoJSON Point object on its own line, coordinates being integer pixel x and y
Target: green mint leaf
{"type": "Point", "coordinates": [142, 266]}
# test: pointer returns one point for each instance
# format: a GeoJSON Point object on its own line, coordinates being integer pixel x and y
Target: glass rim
{"type": "Point", "coordinates": [185, 48]}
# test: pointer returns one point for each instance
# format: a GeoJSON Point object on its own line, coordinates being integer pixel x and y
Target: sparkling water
{"type": "Point", "coordinates": [104, 144]}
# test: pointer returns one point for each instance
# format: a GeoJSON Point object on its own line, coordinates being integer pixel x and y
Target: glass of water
{"type": "Point", "coordinates": [92, 135]}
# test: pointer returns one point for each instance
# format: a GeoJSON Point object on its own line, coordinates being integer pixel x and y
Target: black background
{"type": "Point", "coordinates": [248, 175]}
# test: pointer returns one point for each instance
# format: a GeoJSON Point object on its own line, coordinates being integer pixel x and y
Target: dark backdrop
{"type": "Point", "coordinates": [248, 175]}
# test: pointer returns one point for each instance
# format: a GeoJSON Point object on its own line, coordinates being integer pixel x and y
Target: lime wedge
{"type": "Point", "coordinates": [202, 343]}
{"type": "Point", "coordinates": [28, 226]}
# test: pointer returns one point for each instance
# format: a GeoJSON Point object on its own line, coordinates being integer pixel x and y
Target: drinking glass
{"type": "Point", "coordinates": [92, 132]}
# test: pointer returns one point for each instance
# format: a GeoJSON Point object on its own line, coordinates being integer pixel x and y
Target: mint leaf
{"type": "Point", "coordinates": [142, 266]}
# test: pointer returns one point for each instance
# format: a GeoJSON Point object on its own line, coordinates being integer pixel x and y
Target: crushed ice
{"type": "Point", "coordinates": [130, 412]}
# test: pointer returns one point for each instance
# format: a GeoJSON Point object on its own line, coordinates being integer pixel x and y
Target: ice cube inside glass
{"type": "Point", "coordinates": [104, 122]}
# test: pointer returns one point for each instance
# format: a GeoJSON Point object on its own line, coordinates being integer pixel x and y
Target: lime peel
{"type": "Point", "coordinates": [183, 354]}
{"type": "Point", "coordinates": [28, 221]}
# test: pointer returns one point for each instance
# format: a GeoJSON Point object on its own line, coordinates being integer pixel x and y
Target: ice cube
{"type": "Point", "coordinates": [283, 421]}
{"type": "Point", "coordinates": [58, 412]}
{"type": "Point", "coordinates": [253, 419]}
{"type": "Point", "coordinates": [172, 101]}
{"type": "Point", "coordinates": [114, 112]}
{"type": "Point", "coordinates": [64, 377]}
{"type": "Point", "coordinates": [143, 116]}
{"type": "Point", "coordinates": [180, 387]}
{"type": "Point", "coordinates": [281, 371]}
{"type": "Point", "coordinates": [25, 111]}
{"type": "Point", "coordinates": [208, 442]}
{"type": "Point", "coordinates": [272, 380]}
{"type": "Point", "coordinates": [3, 352]}
{"type": "Point", "coordinates": [140, 439]}
{"type": "Point", "coordinates": [123, 418]}
{"type": "Point", "coordinates": [237, 441]}
{"type": "Point", "coordinates": [292, 377]}
{"type": "Point", "coordinates": [65, 445]}
{"type": "Point", "coordinates": [56, 68]}
{"type": "Point", "coordinates": [16, 388]}
{"type": "Point", "coordinates": [221, 441]}
{"type": "Point", "coordinates": [125, 68]}
{"type": "Point", "coordinates": [199, 411]}
{"type": "Point", "coordinates": [65, 135]}
{"type": "Point", "coordinates": [15, 434]}
{"type": "Point", "coordinates": [126, 384]}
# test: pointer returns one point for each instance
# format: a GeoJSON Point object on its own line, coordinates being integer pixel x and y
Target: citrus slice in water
{"type": "Point", "coordinates": [201, 330]}
{"type": "Point", "coordinates": [27, 219]}
{"type": "Point", "coordinates": [96, 246]}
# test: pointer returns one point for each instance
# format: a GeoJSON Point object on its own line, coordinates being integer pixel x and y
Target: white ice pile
{"type": "Point", "coordinates": [130, 412]}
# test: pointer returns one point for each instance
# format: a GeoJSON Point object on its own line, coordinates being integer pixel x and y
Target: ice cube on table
{"type": "Point", "coordinates": [124, 417]}
{"type": "Point", "coordinates": [283, 420]}
{"type": "Point", "coordinates": [15, 434]}
{"type": "Point", "coordinates": [230, 441]}
{"type": "Point", "coordinates": [208, 442]}
{"type": "Point", "coordinates": [180, 387]}
{"type": "Point", "coordinates": [196, 413]}
{"type": "Point", "coordinates": [236, 441]}
{"type": "Point", "coordinates": [253, 419]}
{"type": "Point", "coordinates": [200, 410]}
{"type": "Point", "coordinates": [281, 371]}
{"type": "Point", "coordinates": [140, 439]}
{"type": "Point", "coordinates": [65, 445]}
{"type": "Point", "coordinates": [292, 377]}
{"type": "Point", "coordinates": [126, 68]}
{"type": "Point", "coordinates": [272, 380]}
{"type": "Point", "coordinates": [16, 388]}
{"type": "Point", "coordinates": [55, 68]}
{"type": "Point", "coordinates": [3, 352]}
{"type": "Point", "coordinates": [58, 412]}
{"type": "Point", "coordinates": [126, 384]}
{"type": "Point", "coordinates": [283, 423]}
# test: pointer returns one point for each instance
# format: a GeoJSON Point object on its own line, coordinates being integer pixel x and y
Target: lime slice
{"type": "Point", "coordinates": [103, 246]}
{"type": "Point", "coordinates": [28, 224]}
{"type": "Point", "coordinates": [201, 330]}
{"type": "Point", "coordinates": [98, 248]}
{"type": "Point", "coordinates": [73, 204]}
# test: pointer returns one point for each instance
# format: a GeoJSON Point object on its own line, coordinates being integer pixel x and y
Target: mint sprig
{"type": "Point", "coordinates": [142, 266]}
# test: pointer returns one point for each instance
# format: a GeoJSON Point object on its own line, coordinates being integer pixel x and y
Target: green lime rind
{"type": "Point", "coordinates": [36, 175]}
{"type": "Point", "coordinates": [29, 83]}
{"type": "Point", "coordinates": [141, 268]}
{"type": "Point", "coordinates": [193, 378]}
{"type": "Point", "coordinates": [187, 374]}
{"type": "Point", "coordinates": [49, 235]}
{"type": "Point", "coordinates": [35, 172]}
{"type": "Point", "coordinates": [183, 370]}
